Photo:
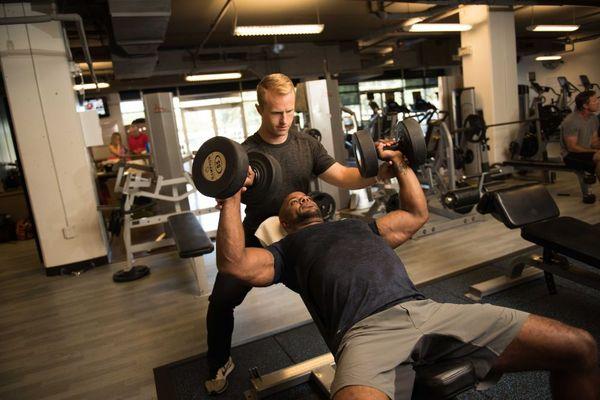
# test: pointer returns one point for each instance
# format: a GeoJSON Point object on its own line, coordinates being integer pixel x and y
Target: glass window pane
{"type": "Point", "coordinates": [380, 85]}
{"type": "Point", "coordinates": [132, 106]}
{"type": "Point", "coordinates": [252, 116]}
{"type": "Point", "coordinates": [199, 126]}
{"type": "Point", "coordinates": [229, 123]}
{"type": "Point", "coordinates": [249, 96]}
{"type": "Point", "coordinates": [129, 117]}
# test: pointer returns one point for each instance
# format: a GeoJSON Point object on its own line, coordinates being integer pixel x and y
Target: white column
{"type": "Point", "coordinates": [492, 69]}
{"type": "Point", "coordinates": [50, 140]}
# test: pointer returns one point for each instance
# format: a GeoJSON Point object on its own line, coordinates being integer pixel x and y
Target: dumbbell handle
{"type": "Point", "coordinates": [394, 147]}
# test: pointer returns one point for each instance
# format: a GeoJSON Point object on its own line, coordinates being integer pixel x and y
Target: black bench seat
{"type": "Point", "coordinates": [532, 208]}
{"type": "Point", "coordinates": [190, 238]}
{"type": "Point", "coordinates": [568, 236]}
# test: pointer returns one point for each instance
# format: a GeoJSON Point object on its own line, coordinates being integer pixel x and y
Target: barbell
{"type": "Point", "coordinates": [475, 127]}
{"type": "Point", "coordinates": [409, 140]}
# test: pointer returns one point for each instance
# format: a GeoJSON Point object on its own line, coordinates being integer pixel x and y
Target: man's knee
{"type": "Point", "coordinates": [359, 393]}
{"type": "Point", "coordinates": [585, 349]}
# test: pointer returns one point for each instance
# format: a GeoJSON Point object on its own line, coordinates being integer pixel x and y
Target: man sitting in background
{"type": "Point", "coordinates": [137, 139]}
{"type": "Point", "coordinates": [579, 135]}
{"type": "Point", "coordinates": [373, 319]}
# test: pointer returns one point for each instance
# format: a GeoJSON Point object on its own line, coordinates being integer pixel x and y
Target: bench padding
{"type": "Point", "coordinates": [568, 236]}
{"type": "Point", "coordinates": [443, 380]}
{"type": "Point", "coordinates": [190, 238]}
{"type": "Point", "coordinates": [519, 206]}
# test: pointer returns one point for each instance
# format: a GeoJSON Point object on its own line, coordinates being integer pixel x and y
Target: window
{"type": "Point", "coordinates": [199, 126]}
{"type": "Point", "coordinates": [132, 110]}
{"type": "Point", "coordinates": [230, 123]}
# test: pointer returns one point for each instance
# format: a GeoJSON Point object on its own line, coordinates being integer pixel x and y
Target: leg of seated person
{"type": "Point", "coordinates": [596, 159]}
{"type": "Point", "coordinates": [570, 354]}
{"type": "Point", "coordinates": [359, 392]}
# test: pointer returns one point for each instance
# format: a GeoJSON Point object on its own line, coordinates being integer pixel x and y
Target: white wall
{"type": "Point", "coordinates": [491, 69]}
{"type": "Point", "coordinates": [585, 60]}
{"type": "Point", "coordinates": [49, 136]}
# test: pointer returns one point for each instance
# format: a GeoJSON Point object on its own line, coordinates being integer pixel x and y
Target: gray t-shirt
{"type": "Point", "coordinates": [575, 124]}
{"type": "Point", "coordinates": [301, 158]}
{"type": "Point", "coordinates": [344, 271]}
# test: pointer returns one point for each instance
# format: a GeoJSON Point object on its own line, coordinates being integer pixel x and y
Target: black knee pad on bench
{"type": "Point", "coordinates": [519, 206]}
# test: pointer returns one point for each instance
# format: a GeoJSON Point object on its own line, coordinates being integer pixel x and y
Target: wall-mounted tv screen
{"type": "Point", "coordinates": [99, 104]}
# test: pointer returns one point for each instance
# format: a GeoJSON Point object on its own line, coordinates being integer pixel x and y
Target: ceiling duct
{"type": "Point", "coordinates": [139, 28]}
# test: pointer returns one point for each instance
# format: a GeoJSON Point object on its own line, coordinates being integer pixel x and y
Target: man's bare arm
{"type": "Point", "coordinates": [596, 141]}
{"type": "Point", "coordinates": [345, 177]}
{"type": "Point", "coordinates": [252, 265]}
{"type": "Point", "coordinates": [399, 226]}
{"type": "Point", "coordinates": [574, 147]}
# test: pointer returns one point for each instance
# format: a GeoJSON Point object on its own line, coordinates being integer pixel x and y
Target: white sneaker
{"type": "Point", "coordinates": [218, 384]}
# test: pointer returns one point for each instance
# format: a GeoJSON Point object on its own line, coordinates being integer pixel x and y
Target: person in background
{"type": "Point", "coordinates": [137, 139]}
{"type": "Point", "coordinates": [579, 135]}
{"type": "Point", "coordinates": [117, 151]}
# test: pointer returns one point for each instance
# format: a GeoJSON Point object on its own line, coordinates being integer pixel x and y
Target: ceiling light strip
{"type": "Point", "coordinates": [265, 30]}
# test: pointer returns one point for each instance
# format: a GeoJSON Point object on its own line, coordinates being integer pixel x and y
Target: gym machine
{"type": "Point", "coordinates": [549, 118]}
{"type": "Point", "coordinates": [530, 144]}
{"type": "Point", "coordinates": [587, 85]}
{"type": "Point", "coordinates": [132, 183]}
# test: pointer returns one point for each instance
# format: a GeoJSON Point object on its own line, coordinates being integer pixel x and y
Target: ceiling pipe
{"type": "Point", "coordinates": [434, 14]}
{"type": "Point", "coordinates": [35, 19]}
{"type": "Point", "coordinates": [215, 23]}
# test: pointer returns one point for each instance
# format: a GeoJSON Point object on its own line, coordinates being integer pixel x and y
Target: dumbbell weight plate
{"type": "Point", "coordinates": [315, 133]}
{"type": "Point", "coordinates": [267, 181]}
{"type": "Point", "coordinates": [365, 154]}
{"type": "Point", "coordinates": [326, 204]}
{"type": "Point", "coordinates": [412, 142]}
{"type": "Point", "coordinates": [220, 168]}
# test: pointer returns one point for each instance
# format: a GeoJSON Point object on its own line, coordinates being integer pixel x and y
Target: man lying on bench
{"type": "Point", "coordinates": [375, 322]}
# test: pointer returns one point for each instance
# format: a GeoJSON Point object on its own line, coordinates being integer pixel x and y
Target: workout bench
{"type": "Point", "coordinates": [532, 208]}
{"type": "Point", "coordinates": [584, 178]}
{"type": "Point", "coordinates": [192, 242]}
{"type": "Point", "coordinates": [440, 381]}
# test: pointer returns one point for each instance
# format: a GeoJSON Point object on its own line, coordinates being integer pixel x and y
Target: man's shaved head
{"type": "Point", "coordinates": [298, 210]}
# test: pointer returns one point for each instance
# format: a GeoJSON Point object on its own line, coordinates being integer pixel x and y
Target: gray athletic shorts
{"type": "Point", "coordinates": [379, 350]}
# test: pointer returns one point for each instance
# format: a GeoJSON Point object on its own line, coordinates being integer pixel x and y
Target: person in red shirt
{"type": "Point", "coordinates": [137, 139]}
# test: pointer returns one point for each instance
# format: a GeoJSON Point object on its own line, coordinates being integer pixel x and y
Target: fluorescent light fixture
{"type": "Point", "coordinates": [389, 62]}
{"type": "Point", "coordinates": [553, 28]}
{"type": "Point", "coordinates": [386, 50]}
{"type": "Point", "coordinates": [98, 65]}
{"type": "Point", "coordinates": [264, 30]}
{"type": "Point", "coordinates": [548, 58]}
{"type": "Point", "coordinates": [414, 20]}
{"type": "Point", "coordinates": [213, 77]}
{"type": "Point", "coordinates": [89, 86]}
{"type": "Point", "coordinates": [439, 27]}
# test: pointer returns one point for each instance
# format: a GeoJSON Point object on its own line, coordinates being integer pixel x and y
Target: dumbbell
{"type": "Point", "coordinates": [326, 204]}
{"type": "Point", "coordinates": [409, 140]}
{"type": "Point", "coordinates": [220, 168]}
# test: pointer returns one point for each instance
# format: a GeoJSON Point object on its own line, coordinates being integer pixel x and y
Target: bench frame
{"type": "Point", "coordinates": [586, 193]}
{"type": "Point", "coordinates": [134, 186]}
